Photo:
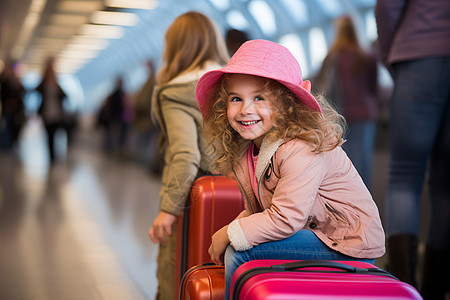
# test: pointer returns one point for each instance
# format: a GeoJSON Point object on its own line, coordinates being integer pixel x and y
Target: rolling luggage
{"type": "Point", "coordinates": [213, 203]}
{"type": "Point", "coordinates": [287, 279]}
{"type": "Point", "coordinates": [203, 282]}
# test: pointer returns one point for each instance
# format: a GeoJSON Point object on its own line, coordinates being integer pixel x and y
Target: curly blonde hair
{"type": "Point", "coordinates": [293, 120]}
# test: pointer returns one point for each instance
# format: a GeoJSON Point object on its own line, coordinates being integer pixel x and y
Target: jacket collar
{"type": "Point", "coordinates": [265, 154]}
{"type": "Point", "coordinates": [241, 172]}
{"type": "Point", "coordinates": [195, 74]}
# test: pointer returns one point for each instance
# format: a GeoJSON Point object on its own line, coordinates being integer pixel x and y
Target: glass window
{"type": "Point", "coordinates": [221, 4]}
{"type": "Point", "coordinates": [371, 26]}
{"type": "Point", "coordinates": [298, 11]}
{"type": "Point", "coordinates": [237, 20]}
{"type": "Point", "coordinates": [294, 44]}
{"type": "Point", "coordinates": [331, 8]}
{"type": "Point", "coordinates": [317, 47]}
{"type": "Point", "coordinates": [264, 16]}
{"type": "Point", "coordinates": [366, 2]}
{"type": "Point", "coordinates": [136, 78]}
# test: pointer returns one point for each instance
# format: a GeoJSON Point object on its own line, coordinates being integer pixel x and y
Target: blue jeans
{"type": "Point", "coordinates": [359, 148]}
{"type": "Point", "coordinates": [303, 245]}
{"type": "Point", "coordinates": [420, 134]}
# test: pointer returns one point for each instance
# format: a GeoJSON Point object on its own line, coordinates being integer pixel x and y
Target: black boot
{"type": "Point", "coordinates": [436, 275]}
{"type": "Point", "coordinates": [402, 253]}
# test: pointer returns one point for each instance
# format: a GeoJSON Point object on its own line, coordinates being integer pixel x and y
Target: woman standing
{"type": "Point", "coordinates": [194, 46]}
{"type": "Point", "coordinates": [51, 108]}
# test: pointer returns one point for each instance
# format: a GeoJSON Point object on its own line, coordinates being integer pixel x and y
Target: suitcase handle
{"type": "Point", "coordinates": [316, 263]}
{"type": "Point", "coordinates": [292, 266]}
{"type": "Point", "coordinates": [330, 264]}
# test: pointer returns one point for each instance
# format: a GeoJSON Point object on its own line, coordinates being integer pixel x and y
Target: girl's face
{"type": "Point", "coordinates": [249, 110]}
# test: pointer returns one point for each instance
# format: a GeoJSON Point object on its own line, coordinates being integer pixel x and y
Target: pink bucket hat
{"type": "Point", "coordinates": [261, 58]}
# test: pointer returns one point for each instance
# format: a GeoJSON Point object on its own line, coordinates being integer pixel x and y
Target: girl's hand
{"type": "Point", "coordinates": [219, 242]}
{"type": "Point", "coordinates": [161, 226]}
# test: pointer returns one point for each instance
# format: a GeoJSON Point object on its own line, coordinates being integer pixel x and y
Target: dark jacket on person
{"type": "Point", "coordinates": [60, 95]}
{"type": "Point", "coordinates": [413, 29]}
{"type": "Point", "coordinates": [351, 83]}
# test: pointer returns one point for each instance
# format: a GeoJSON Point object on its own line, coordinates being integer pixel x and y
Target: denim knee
{"type": "Point", "coordinates": [233, 259]}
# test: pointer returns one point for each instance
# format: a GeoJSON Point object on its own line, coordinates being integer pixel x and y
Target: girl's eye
{"type": "Point", "coordinates": [258, 98]}
{"type": "Point", "coordinates": [235, 99]}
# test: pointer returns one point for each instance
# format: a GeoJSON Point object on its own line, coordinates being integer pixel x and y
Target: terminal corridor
{"type": "Point", "coordinates": [76, 229]}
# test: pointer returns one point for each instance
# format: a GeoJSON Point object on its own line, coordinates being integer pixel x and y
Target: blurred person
{"type": "Point", "coordinates": [148, 133]}
{"type": "Point", "coordinates": [51, 108]}
{"type": "Point", "coordinates": [114, 117]}
{"type": "Point", "coordinates": [12, 107]}
{"type": "Point", "coordinates": [349, 78]}
{"type": "Point", "coordinates": [194, 45]}
{"type": "Point", "coordinates": [234, 38]}
{"type": "Point", "coordinates": [414, 41]}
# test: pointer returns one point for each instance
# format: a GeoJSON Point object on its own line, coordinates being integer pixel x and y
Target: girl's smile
{"type": "Point", "coordinates": [249, 108]}
{"type": "Point", "coordinates": [249, 123]}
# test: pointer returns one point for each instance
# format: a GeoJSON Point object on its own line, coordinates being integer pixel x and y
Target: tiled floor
{"type": "Point", "coordinates": [77, 229]}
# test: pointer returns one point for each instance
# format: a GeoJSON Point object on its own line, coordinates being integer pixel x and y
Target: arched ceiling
{"type": "Point", "coordinates": [54, 25]}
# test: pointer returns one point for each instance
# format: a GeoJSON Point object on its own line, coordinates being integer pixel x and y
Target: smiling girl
{"type": "Point", "coordinates": [303, 197]}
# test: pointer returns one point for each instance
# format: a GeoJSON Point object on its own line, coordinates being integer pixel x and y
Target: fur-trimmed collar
{"type": "Point", "coordinates": [265, 154]}
{"type": "Point", "coordinates": [195, 74]}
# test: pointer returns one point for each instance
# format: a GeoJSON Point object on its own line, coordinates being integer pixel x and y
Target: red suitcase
{"type": "Point", "coordinates": [287, 279]}
{"type": "Point", "coordinates": [213, 203]}
{"type": "Point", "coordinates": [203, 282]}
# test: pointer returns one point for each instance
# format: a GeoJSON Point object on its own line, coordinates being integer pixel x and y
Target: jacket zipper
{"type": "Point", "coordinates": [259, 185]}
{"type": "Point", "coordinates": [261, 179]}
{"type": "Point", "coordinates": [243, 190]}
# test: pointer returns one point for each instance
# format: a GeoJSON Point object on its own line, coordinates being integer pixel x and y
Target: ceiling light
{"type": "Point", "coordinates": [68, 66]}
{"type": "Point", "coordinates": [73, 60]}
{"type": "Point", "coordinates": [68, 19]}
{"type": "Point", "coordinates": [80, 6]}
{"type": "Point", "coordinates": [71, 64]}
{"type": "Point", "coordinates": [78, 53]}
{"type": "Point", "coordinates": [41, 52]}
{"type": "Point", "coordinates": [114, 18]}
{"type": "Point", "coordinates": [103, 31]}
{"type": "Point", "coordinates": [101, 45]}
{"type": "Point", "coordinates": [88, 40]}
{"type": "Point", "coordinates": [59, 31]}
{"type": "Point", "coordinates": [138, 4]}
{"type": "Point", "coordinates": [37, 5]}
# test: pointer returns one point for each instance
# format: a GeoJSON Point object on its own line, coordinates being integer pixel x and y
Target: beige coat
{"type": "Point", "coordinates": [299, 189]}
{"type": "Point", "coordinates": [185, 151]}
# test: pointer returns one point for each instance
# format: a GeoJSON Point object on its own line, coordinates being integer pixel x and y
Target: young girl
{"type": "Point", "coordinates": [194, 46]}
{"type": "Point", "coordinates": [303, 197]}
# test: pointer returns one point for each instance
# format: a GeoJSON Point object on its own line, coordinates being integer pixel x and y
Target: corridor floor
{"type": "Point", "coordinates": [76, 229]}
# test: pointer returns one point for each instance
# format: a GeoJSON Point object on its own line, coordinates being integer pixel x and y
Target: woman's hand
{"type": "Point", "coordinates": [219, 242]}
{"type": "Point", "coordinates": [161, 226]}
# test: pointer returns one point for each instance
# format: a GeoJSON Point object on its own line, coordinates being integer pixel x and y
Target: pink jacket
{"type": "Point", "coordinates": [299, 189]}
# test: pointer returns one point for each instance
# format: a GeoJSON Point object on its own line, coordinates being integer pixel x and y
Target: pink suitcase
{"type": "Point", "coordinates": [311, 279]}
